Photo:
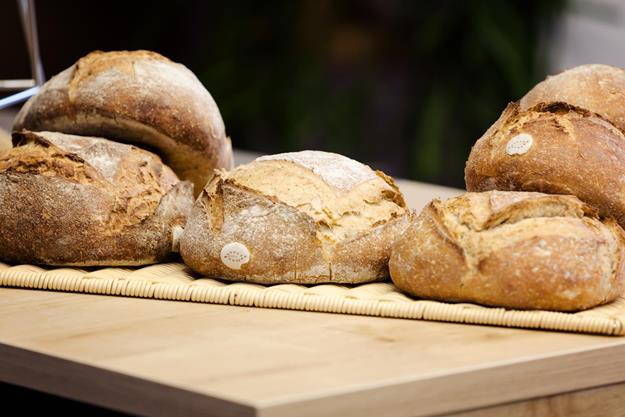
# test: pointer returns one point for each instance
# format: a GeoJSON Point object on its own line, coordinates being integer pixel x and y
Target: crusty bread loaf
{"type": "Point", "coordinates": [597, 88]}
{"type": "Point", "coordinates": [136, 97]}
{"type": "Point", "coordinates": [72, 200]}
{"type": "Point", "coordinates": [303, 217]}
{"type": "Point", "coordinates": [511, 249]}
{"type": "Point", "coordinates": [557, 149]}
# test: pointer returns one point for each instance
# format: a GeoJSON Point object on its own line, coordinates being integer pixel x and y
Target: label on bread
{"type": "Point", "coordinates": [234, 254]}
{"type": "Point", "coordinates": [519, 144]}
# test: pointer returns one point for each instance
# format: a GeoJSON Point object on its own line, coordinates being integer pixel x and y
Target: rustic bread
{"type": "Point", "coordinates": [596, 88]}
{"type": "Point", "coordinates": [556, 149]}
{"type": "Point", "coordinates": [511, 249]}
{"type": "Point", "coordinates": [303, 217]}
{"type": "Point", "coordinates": [72, 200]}
{"type": "Point", "coordinates": [136, 97]}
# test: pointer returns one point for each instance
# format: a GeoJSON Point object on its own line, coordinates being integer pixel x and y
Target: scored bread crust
{"type": "Point", "coordinates": [595, 87]}
{"type": "Point", "coordinates": [573, 151]}
{"type": "Point", "coordinates": [136, 97]}
{"type": "Point", "coordinates": [305, 217]}
{"type": "Point", "coordinates": [511, 249]}
{"type": "Point", "coordinates": [83, 201]}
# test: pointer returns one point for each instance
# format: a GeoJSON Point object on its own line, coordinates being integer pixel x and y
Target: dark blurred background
{"type": "Point", "coordinates": [405, 86]}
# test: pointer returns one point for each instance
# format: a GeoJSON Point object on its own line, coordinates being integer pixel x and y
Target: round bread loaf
{"type": "Point", "coordinates": [73, 200]}
{"type": "Point", "coordinates": [136, 97]}
{"type": "Point", "coordinates": [511, 249]}
{"type": "Point", "coordinates": [596, 88]}
{"type": "Point", "coordinates": [556, 149]}
{"type": "Point", "coordinates": [303, 217]}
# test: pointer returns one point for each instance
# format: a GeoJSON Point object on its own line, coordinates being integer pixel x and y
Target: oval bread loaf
{"type": "Point", "coordinates": [136, 97]}
{"type": "Point", "coordinates": [303, 217]}
{"type": "Point", "coordinates": [511, 249]}
{"type": "Point", "coordinates": [553, 148]}
{"type": "Point", "coordinates": [73, 200]}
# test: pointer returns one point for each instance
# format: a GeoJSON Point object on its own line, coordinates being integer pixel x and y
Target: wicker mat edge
{"type": "Point", "coordinates": [175, 282]}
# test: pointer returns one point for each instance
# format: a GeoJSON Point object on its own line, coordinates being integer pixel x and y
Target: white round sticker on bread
{"type": "Point", "coordinates": [234, 254]}
{"type": "Point", "coordinates": [519, 144]}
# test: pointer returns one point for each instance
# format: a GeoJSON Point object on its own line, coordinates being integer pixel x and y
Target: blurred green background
{"type": "Point", "coordinates": [404, 86]}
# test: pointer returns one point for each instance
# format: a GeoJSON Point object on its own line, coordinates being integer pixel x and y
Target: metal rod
{"type": "Point", "coordinates": [18, 98]}
{"type": "Point", "coordinates": [29, 24]}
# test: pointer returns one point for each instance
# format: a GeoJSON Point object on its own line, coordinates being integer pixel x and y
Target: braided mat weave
{"type": "Point", "coordinates": [174, 281]}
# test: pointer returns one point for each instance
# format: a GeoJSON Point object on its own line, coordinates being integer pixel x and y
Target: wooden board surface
{"type": "Point", "coordinates": [166, 358]}
{"type": "Point", "coordinates": [155, 357]}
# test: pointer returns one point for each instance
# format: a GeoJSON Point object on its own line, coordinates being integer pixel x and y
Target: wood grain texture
{"type": "Point", "coordinates": [603, 401]}
{"type": "Point", "coordinates": [105, 388]}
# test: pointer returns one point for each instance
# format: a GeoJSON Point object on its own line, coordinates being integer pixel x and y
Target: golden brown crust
{"type": "Point", "coordinates": [136, 97]}
{"type": "Point", "coordinates": [573, 151]}
{"type": "Point", "coordinates": [71, 200]}
{"type": "Point", "coordinates": [594, 87]}
{"type": "Point", "coordinates": [305, 217]}
{"type": "Point", "coordinates": [511, 249]}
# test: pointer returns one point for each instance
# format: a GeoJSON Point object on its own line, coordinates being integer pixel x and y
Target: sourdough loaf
{"type": "Point", "coordinates": [511, 249]}
{"type": "Point", "coordinates": [137, 97]}
{"type": "Point", "coordinates": [303, 217]}
{"type": "Point", "coordinates": [73, 200]}
{"type": "Point", "coordinates": [553, 148]}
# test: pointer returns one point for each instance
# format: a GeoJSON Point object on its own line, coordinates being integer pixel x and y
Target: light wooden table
{"type": "Point", "coordinates": [167, 358]}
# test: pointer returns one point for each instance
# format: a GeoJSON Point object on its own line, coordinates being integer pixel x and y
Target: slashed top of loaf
{"type": "Point", "coordinates": [482, 211]}
{"type": "Point", "coordinates": [484, 223]}
{"type": "Point", "coordinates": [99, 70]}
{"type": "Point", "coordinates": [343, 196]}
{"type": "Point", "coordinates": [101, 154]}
{"type": "Point", "coordinates": [598, 88]}
{"type": "Point", "coordinates": [106, 66]}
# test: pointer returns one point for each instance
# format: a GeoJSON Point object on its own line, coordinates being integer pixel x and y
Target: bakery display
{"type": "Point", "coordinates": [535, 230]}
{"type": "Point", "coordinates": [518, 250]}
{"type": "Point", "coordinates": [74, 200]}
{"type": "Point", "coordinates": [303, 217]}
{"type": "Point", "coordinates": [553, 148]}
{"type": "Point", "coordinates": [137, 97]}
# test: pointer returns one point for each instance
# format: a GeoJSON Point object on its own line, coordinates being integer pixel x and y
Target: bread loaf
{"type": "Point", "coordinates": [136, 97]}
{"type": "Point", "coordinates": [597, 88]}
{"type": "Point", "coordinates": [304, 217]}
{"type": "Point", "coordinates": [72, 200]}
{"type": "Point", "coordinates": [556, 149]}
{"type": "Point", "coordinates": [511, 249]}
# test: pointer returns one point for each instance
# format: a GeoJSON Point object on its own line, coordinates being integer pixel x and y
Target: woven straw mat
{"type": "Point", "coordinates": [174, 281]}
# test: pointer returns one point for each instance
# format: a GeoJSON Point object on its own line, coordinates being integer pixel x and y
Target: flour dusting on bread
{"type": "Point", "coordinates": [337, 170]}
